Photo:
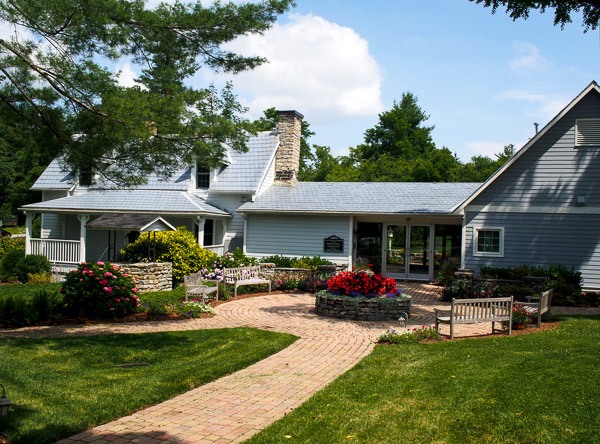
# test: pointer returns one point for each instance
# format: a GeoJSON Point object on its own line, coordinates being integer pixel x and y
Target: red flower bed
{"type": "Point", "coordinates": [362, 283]}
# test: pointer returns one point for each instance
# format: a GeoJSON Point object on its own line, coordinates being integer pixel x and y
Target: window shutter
{"type": "Point", "coordinates": [587, 132]}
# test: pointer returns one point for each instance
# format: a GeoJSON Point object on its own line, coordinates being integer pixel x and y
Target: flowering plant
{"type": "Point", "coordinates": [415, 335]}
{"type": "Point", "coordinates": [191, 309]}
{"type": "Point", "coordinates": [519, 314]}
{"type": "Point", "coordinates": [362, 283]}
{"type": "Point", "coordinates": [98, 289]}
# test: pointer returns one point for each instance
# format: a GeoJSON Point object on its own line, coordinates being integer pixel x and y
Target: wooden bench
{"type": "Point", "coordinates": [539, 307]}
{"type": "Point", "coordinates": [195, 286]}
{"type": "Point", "coordinates": [244, 276]}
{"type": "Point", "coordinates": [475, 311]}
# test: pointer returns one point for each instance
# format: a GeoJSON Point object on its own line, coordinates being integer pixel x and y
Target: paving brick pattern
{"type": "Point", "coordinates": [237, 406]}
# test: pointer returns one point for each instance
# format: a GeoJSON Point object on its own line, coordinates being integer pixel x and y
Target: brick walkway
{"type": "Point", "coordinates": [237, 406]}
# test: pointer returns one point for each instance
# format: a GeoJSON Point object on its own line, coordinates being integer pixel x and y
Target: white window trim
{"type": "Point", "coordinates": [476, 231]}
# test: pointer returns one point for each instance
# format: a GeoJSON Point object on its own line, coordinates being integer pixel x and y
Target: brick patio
{"type": "Point", "coordinates": [237, 406]}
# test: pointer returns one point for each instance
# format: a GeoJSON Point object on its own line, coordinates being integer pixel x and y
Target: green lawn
{"type": "Point", "coordinates": [537, 388]}
{"type": "Point", "coordinates": [61, 386]}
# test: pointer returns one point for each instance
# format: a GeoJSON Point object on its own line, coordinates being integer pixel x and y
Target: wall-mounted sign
{"type": "Point", "coordinates": [333, 244]}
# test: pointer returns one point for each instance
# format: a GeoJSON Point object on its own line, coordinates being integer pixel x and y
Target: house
{"type": "Point", "coordinates": [542, 207]}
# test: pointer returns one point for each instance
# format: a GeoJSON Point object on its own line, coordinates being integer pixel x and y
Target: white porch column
{"type": "Point", "coordinates": [224, 226]}
{"type": "Point", "coordinates": [28, 230]}
{"type": "Point", "coordinates": [83, 218]}
{"type": "Point", "coordinates": [200, 221]}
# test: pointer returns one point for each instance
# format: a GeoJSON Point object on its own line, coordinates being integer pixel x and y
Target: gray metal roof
{"type": "Point", "coordinates": [53, 178]}
{"type": "Point", "coordinates": [130, 201]}
{"type": "Point", "coordinates": [247, 169]}
{"type": "Point", "coordinates": [363, 198]}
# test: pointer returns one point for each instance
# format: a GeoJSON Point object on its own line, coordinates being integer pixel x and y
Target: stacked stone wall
{"type": "Point", "coordinates": [377, 309]}
{"type": "Point", "coordinates": [153, 276]}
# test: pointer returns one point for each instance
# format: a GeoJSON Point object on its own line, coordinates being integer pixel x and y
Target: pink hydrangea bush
{"type": "Point", "coordinates": [100, 290]}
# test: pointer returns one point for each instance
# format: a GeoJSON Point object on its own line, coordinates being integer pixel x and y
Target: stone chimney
{"type": "Point", "coordinates": [287, 158]}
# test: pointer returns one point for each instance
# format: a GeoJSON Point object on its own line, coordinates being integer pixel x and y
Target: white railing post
{"type": "Point", "coordinates": [28, 229]}
{"type": "Point", "coordinates": [83, 218]}
{"type": "Point", "coordinates": [200, 221]}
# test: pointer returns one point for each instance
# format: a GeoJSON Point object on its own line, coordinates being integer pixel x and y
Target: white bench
{"type": "Point", "coordinates": [538, 308]}
{"type": "Point", "coordinates": [244, 276]}
{"type": "Point", "coordinates": [475, 311]}
{"type": "Point", "coordinates": [195, 286]}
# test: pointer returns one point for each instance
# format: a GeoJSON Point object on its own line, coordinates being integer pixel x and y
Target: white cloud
{"type": "Point", "coordinates": [319, 68]}
{"type": "Point", "coordinates": [546, 106]}
{"type": "Point", "coordinates": [528, 59]}
{"type": "Point", "coordinates": [126, 76]}
{"type": "Point", "coordinates": [485, 148]}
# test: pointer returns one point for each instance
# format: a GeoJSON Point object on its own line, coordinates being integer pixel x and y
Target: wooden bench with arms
{"type": "Point", "coordinates": [474, 311]}
{"type": "Point", "coordinates": [537, 308]}
{"type": "Point", "coordinates": [195, 286]}
{"type": "Point", "coordinates": [245, 276]}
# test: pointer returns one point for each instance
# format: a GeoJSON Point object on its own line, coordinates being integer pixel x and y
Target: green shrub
{"type": "Point", "coordinates": [295, 262]}
{"type": "Point", "coordinates": [99, 290]}
{"type": "Point", "coordinates": [39, 278]}
{"type": "Point", "coordinates": [8, 266]}
{"type": "Point", "coordinates": [32, 264]}
{"type": "Point", "coordinates": [8, 244]}
{"type": "Point", "coordinates": [179, 247]}
{"type": "Point", "coordinates": [30, 305]}
{"type": "Point", "coordinates": [446, 274]}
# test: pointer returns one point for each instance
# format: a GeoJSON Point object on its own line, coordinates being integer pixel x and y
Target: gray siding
{"type": "Point", "coordinates": [553, 171]}
{"type": "Point", "coordinates": [296, 235]}
{"type": "Point", "coordinates": [234, 237]}
{"type": "Point", "coordinates": [53, 224]}
{"type": "Point", "coordinates": [541, 239]}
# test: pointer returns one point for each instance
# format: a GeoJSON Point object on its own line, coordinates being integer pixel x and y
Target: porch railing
{"type": "Point", "coordinates": [56, 250]}
{"type": "Point", "coordinates": [218, 249]}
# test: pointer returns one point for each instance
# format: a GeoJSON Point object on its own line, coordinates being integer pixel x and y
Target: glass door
{"type": "Point", "coordinates": [418, 252]}
{"type": "Point", "coordinates": [395, 251]}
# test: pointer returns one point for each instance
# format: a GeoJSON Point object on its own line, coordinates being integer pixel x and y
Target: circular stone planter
{"type": "Point", "coordinates": [362, 309]}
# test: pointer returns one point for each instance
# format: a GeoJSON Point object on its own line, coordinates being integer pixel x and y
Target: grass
{"type": "Point", "coordinates": [15, 230]}
{"type": "Point", "coordinates": [62, 386]}
{"type": "Point", "coordinates": [535, 388]}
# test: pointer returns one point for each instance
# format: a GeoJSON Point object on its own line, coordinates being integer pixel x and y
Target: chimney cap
{"type": "Point", "coordinates": [296, 113]}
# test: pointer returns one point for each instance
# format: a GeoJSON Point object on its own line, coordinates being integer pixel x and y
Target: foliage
{"type": "Point", "coordinates": [8, 244]}
{"type": "Point", "coordinates": [562, 10]}
{"type": "Point", "coordinates": [467, 289]}
{"type": "Point", "coordinates": [544, 389]}
{"type": "Point", "coordinates": [53, 77]}
{"type": "Point", "coordinates": [27, 304]}
{"type": "Point", "coordinates": [32, 264]}
{"type": "Point", "coordinates": [392, 336]}
{"type": "Point", "coordinates": [362, 283]}
{"type": "Point", "coordinates": [192, 308]}
{"type": "Point", "coordinates": [235, 259]}
{"type": "Point", "coordinates": [157, 303]}
{"type": "Point", "coordinates": [295, 262]}
{"type": "Point", "coordinates": [179, 247]}
{"type": "Point", "coordinates": [9, 265]}
{"type": "Point", "coordinates": [62, 386]}
{"type": "Point", "coordinates": [519, 314]}
{"type": "Point", "coordinates": [42, 277]}
{"type": "Point", "coordinates": [446, 274]}
{"type": "Point", "coordinates": [99, 290]}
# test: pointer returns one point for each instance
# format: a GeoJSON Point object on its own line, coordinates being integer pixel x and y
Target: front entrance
{"type": "Point", "coordinates": [405, 250]}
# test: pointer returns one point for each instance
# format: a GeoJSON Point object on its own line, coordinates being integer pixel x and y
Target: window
{"type": "Point", "coordinates": [202, 176]}
{"type": "Point", "coordinates": [587, 132]}
{"type": "Point", "coordinates": [209, 235]}
{"type": "Point", "coordinates": [488, 241]}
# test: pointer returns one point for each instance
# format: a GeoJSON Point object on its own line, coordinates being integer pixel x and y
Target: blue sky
{"type": "Point", "coordinates": [483, 79]}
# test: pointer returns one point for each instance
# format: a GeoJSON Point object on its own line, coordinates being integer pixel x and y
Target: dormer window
{"type": "Point", "coordinates": [202, 176]}
{"type": "Point", "coordinates": [86, 178]}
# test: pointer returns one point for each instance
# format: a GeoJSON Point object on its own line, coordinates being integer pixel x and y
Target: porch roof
{"type": "Point", "coordinates": [131, 222]}
{"type": "Point", "coordinates": [130, 201]}
{"type": "Point", "coordinates": [363, 198]}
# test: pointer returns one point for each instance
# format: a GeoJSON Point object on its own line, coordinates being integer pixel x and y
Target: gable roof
{"type": "Point", "coordinates": [246, 170]}
{"type": "Point", "coordinates": [54, 178]}
{"type": "Point", "coordinates": [131, 222]}
{"type": "Point", "coordinates": [130, 201]}
{"type": "Point", "coordinates": [593, 86]}
{"type": "Point", "coordinates": [363, 198]}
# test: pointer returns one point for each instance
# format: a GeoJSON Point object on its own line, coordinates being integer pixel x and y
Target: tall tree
{"type": "Point", "coordinates": [562, 9]}
{"type": "Point", "coordinates": [124, 133]}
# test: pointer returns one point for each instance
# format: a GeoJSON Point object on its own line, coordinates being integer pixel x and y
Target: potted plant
{"type": "Point", "coordinates": [519, 317]}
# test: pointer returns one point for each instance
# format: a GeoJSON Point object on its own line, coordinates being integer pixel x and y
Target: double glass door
{"type": "Point", "coordinates": [406, 251]}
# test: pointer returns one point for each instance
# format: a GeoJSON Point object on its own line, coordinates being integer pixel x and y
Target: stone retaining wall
{"type": "Point", "coordinates": [377, 309]}
{"type": "Point", "coordinates": [152, 276]}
